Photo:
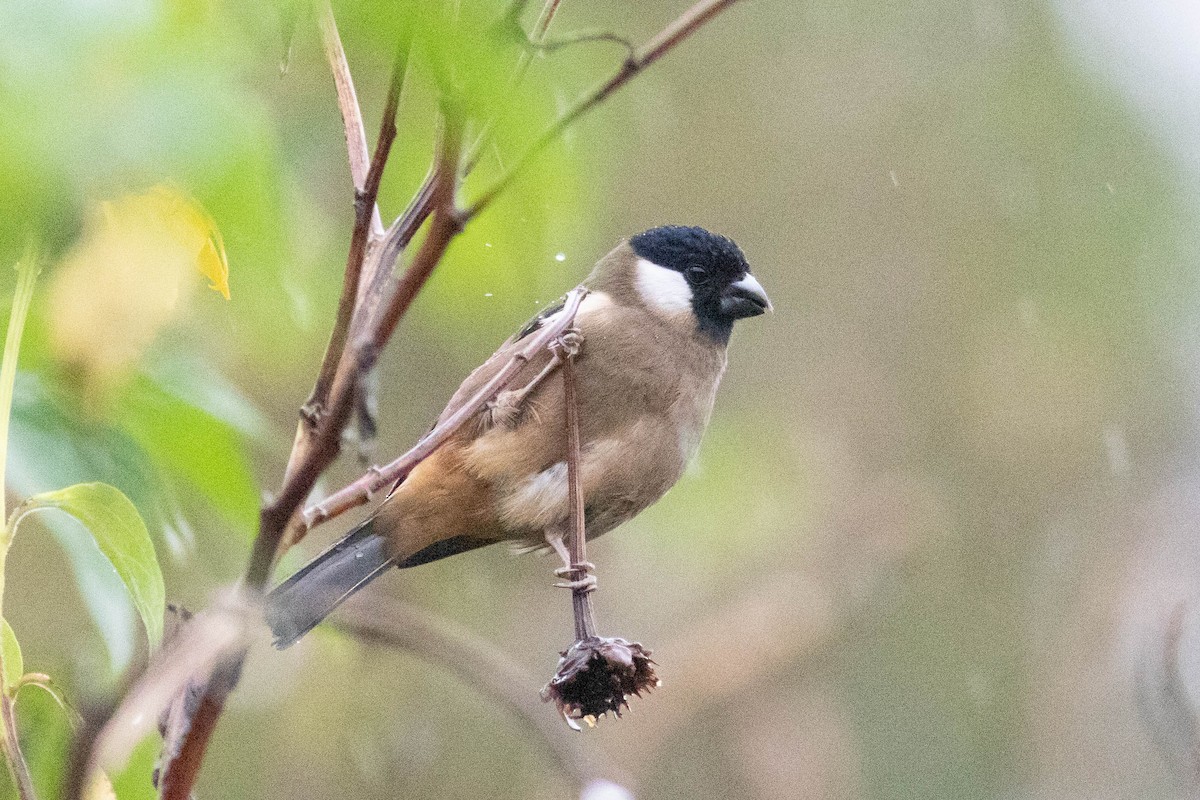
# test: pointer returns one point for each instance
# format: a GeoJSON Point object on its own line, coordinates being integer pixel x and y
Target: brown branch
{"type": "Point", "coordinates": [445, 224]}
{"type": "Point", "coordinates": [314, 450]}
{"type": "Point", "coordinates": [352, 121]}
{"type": "Point", "coordinates": [322, 448]}
{"type": "Point", "coordinates": [479, 664]}
{"type": "Point", "coordinates": [318, 450]}
{"type": "Point", "coordinates": [684, 26]}
{"type": "Point", "coordinates": [581, 596]}
{"type": "Point", "coordinates": [317, 443]}
{"type": "Point", "coordinates": [364, 488]}
{"type": "Point", "coordinates": [366, 212]}
{"type": "Point", "coordinates": [18, 769]}
{"type": "Point", "coordinates": [379, 273]}
{"type": "Point", "coordinates": [187, 668]}
{"type": "Point", "coordinates": [402, 230]}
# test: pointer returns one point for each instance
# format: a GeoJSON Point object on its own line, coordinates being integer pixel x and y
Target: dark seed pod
{"type": "Point", "coordinates": [596, 675]}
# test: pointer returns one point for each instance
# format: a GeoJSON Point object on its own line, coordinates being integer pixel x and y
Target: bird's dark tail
{"type": "Point", "coordinates": [298, 604]}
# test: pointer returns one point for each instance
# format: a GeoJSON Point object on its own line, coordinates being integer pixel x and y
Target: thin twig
{"type": "Point", "coordinates": [685, 25]}
{"type": "Point", "coordinates": [352, 121]}
{"type": "Point", "coordinates": [480, 665]}
{"type": "Point", "coordinates": [581, 596]}
{"type": "Point", "coordinates": [582, 37]}
{"type": "Point", "coordinates": [364, 488]}
{"type": "Point", "coordinates": [549, 9]}
{"type": "Point", "coordinates": [402, 230]}
{"type": "Point", "coordinates": [366, 216]}
{"type": "Point", "coordinates": [379, 274]}
{"type": "Point", "coordinates": [17, 767]}
{"type": "Point", "coordinates": [445, 224]}
{"type": "Point", "coordinates": [316, 448]}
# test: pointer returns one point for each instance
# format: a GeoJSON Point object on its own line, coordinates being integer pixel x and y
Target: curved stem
{"type": "Point", "coordinates": [17, 767]}
{"type": "Point", "coordinates": [684, 26]}
{"type": "Point", "coordinates": [488, 669]}
{"type": "Point", "coordinates": [26, 275]}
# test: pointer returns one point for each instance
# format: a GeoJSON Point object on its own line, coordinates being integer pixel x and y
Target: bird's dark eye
{"type": "Point", "coordinates": [697, 275]}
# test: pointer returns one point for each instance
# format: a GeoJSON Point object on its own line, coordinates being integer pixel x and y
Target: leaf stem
{"type": "Point", "coordinates": [17, 767]}
{"type": "Point", "coordinates": [27, 272]}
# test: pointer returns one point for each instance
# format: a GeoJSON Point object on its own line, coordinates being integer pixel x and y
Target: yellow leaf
{"type": "Point", "coordinates": [213, 265]}
{"type": "Point", "coordinates": [127, 276]}
{"type": "Point", "coordinates": [194, 225]}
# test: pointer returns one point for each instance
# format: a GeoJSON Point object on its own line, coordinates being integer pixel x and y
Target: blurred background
{"type": "Point", "coordinates": [950, 495]}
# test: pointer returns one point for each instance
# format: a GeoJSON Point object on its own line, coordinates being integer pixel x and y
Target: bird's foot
{"type": "Point", "coordinates": [568, 344]}
{"type": "Point", "coordinates": [585, 584]}
{"type": "Point", "coordinates": [506, 408]}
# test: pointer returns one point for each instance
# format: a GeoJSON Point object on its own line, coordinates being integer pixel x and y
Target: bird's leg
{"type": "Point", "coordinates": [586, 582]}
{"type": "Point", "coordinates": [506, 407]}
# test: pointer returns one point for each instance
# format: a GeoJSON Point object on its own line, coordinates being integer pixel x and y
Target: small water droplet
{"type": "Point", "coordinates": [561, 257]}
{"type": "Point", "coordinates": [487, 294]}
{"type": "Point", "coordinates": [487, 244]}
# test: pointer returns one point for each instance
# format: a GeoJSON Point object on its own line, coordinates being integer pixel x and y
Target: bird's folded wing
{"type": "Point", "coordinates": [488, 369]}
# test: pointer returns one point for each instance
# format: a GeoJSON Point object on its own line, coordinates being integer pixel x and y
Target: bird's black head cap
{"type": "Point", "coordinates": [712, 265]}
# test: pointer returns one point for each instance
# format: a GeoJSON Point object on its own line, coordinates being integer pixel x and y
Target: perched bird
{"type": "Point", "coordinates": [654, 328]}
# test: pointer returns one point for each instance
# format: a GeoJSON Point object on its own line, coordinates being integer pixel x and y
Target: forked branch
{"type": "Point", "coordinates": [371, 257]}
{"type": "Point", "coordinates": [684, 26]}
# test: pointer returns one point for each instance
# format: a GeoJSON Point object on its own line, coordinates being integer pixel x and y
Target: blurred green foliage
{"type": "Point", "coordinates": [912, 558]}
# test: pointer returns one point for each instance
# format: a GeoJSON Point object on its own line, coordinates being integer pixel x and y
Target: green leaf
{"type": "Point", "coordinates": [45, 735]}
{"type": "Point", "coordinates": [14, 662]}
{"type": "Point", "coordinates": [55, 442]}
{"type": "Point", "coordinates": [130, 782]}
{"type": "Point", "coordinates": [52, 689]}
{"type": "Point", "coordinates": [122, 537]}
{"type": "Point", "coordinates": [192, 444]}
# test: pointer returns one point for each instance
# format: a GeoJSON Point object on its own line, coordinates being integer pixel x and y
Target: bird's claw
{"type": "Point", "coordinates": [568, 344]}
{"type": "Point", "coordinates": [505, 409]}
{"type": "Point", "coordinates": [565, 571]}
{"type": "Point", "coordinates": [585, 584]}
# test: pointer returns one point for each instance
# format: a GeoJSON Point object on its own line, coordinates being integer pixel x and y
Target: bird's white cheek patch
{"type": "Point", "coordinates": [663, 289]}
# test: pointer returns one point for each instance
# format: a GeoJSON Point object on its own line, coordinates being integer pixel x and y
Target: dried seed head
{"type": "Point", "coordinates": [596, 675]}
